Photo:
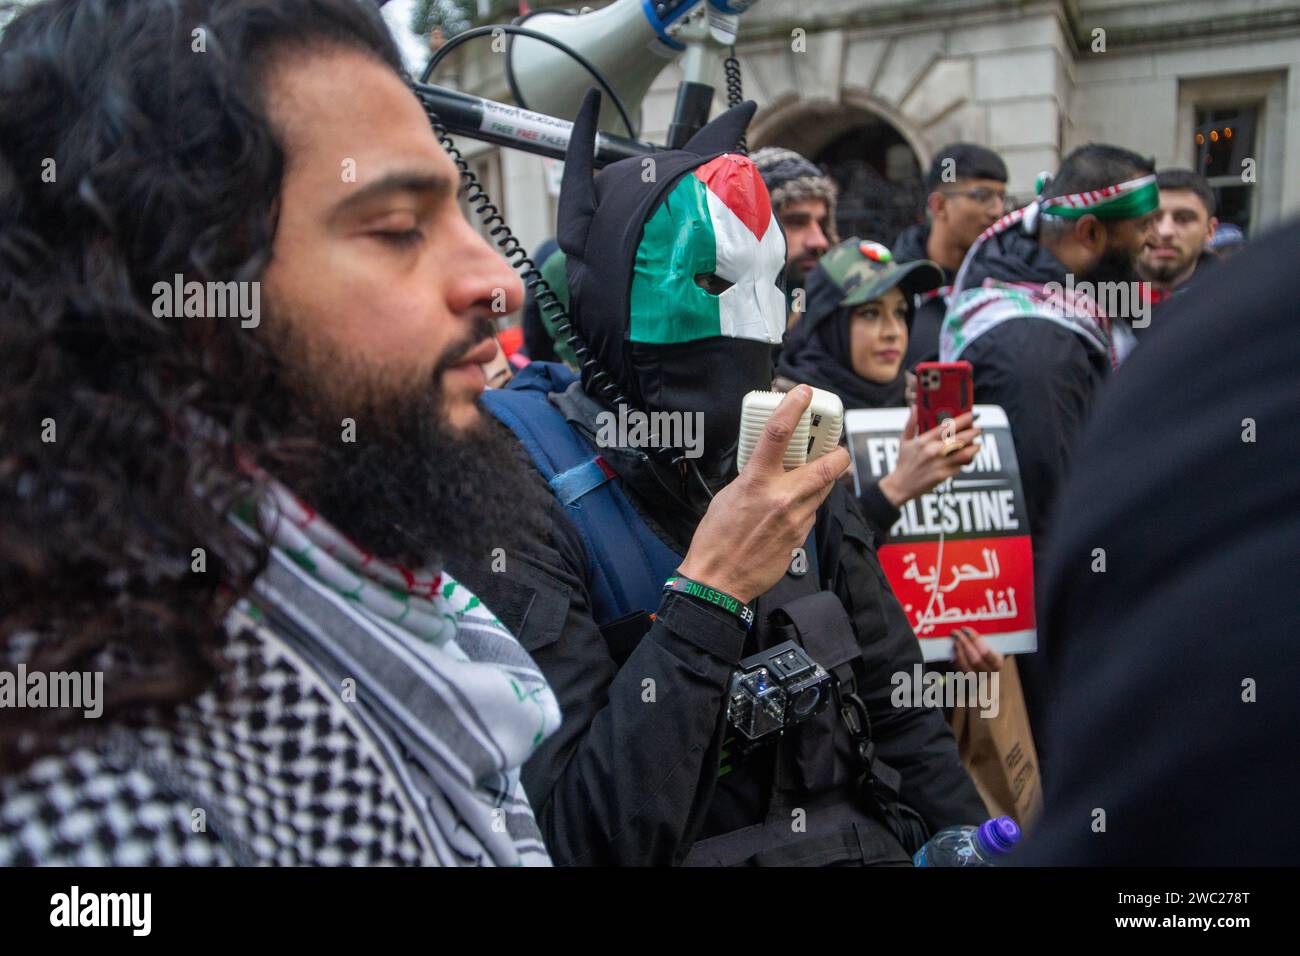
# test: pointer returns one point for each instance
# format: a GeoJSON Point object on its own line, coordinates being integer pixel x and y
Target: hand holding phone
{"type": "Point", "coordinates": [944, 390]}
{"type": "Point", "coordinates": [926, 459]}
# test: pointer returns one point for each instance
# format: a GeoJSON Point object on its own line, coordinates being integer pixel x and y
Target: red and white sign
{"type": "Point", "coordinates": [959, 555]}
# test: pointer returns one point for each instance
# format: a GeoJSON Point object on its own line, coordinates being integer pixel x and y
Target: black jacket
{"type": "Point", "coordinates": [1174, 673]}
{"type": "Point", "coordinates": [633, 782]}
{"type": "Point", "coordinates": [1045, 378]}
{"type": "Point", "coordinates": [923, 338]}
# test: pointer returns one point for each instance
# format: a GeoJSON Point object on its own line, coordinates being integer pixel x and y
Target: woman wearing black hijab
{"type": "Point", "coordinates": [851, 340]}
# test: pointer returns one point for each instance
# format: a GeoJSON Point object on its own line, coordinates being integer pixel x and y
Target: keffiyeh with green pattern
{"type": "Point", "coordinates": [464, 701]}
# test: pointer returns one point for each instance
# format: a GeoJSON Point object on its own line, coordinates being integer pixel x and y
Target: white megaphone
{"type": "Point", "coordinates": [627, 41]}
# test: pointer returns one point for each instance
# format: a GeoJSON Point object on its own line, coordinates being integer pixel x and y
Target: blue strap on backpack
{"type": "Point", "coordinates": [627, 563]}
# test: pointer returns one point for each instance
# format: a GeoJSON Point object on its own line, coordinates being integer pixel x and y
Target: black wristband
{"type": "Point", "coordinates": [702, 592]}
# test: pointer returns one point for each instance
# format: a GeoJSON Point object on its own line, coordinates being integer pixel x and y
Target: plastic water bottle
{"type": "Point", "coordinates": [983, 845]}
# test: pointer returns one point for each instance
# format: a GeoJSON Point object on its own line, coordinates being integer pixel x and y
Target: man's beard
{"type": "Point", "coordinates": [408, 487]}
{"type": "Point", "coordinates": [800, 269]}
{"type": "Point", "coordinates": [1115, 265]}
{"type": "Point", "coordinates": [1166, 270]}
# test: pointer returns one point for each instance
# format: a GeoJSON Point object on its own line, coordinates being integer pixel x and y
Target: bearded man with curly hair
{"type": "Point", "coordinates": [235, 520]}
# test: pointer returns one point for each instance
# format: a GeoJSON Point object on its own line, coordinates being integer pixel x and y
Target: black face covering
{"type": "Point", "coordinates": [709, 376]}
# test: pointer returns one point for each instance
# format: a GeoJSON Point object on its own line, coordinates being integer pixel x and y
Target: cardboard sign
{"type": "Point", "coordinates": [960, 554]}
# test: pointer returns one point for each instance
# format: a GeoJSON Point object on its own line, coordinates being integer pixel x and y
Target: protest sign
{"type": "Point", "coordinates": [959, 555]}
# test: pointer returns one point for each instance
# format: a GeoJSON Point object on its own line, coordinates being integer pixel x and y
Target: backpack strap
{"type": "Point", "coordinates": [569, 486]}
{"type": "Point", "coordinates": [627, 563]}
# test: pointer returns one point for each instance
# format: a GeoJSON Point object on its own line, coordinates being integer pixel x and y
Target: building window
{"type": "Point", "coordinates": [1225, 137]}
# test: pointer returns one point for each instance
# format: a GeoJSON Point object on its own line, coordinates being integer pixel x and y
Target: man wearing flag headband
{"type": "Point", "coordinates": [1026, 313]}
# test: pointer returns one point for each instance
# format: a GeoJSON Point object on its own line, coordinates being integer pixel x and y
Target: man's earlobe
{"type": "Point", "coordinates": [934, 203]}
{"type": "Point", "coordinates": [1088, 230]}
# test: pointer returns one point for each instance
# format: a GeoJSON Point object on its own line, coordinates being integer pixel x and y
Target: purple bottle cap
{"type": "Point", "coordinates": [999, 835]}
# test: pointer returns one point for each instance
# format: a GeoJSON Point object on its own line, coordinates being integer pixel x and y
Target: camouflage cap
{"type": "Point", "coordinates": [864, 270]}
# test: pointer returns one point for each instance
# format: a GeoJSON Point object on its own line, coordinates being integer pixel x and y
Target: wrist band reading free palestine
{"type": "Point", "coordinates": [702, 592]}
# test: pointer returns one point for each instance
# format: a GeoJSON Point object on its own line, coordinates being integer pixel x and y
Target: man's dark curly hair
{"type": "Point", "coordinates": [135, 145]}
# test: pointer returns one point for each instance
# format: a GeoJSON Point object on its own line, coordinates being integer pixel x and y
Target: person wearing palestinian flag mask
{"type": "Point", "coordinates": [1034, 310]}
{"type": "Point", "coordinates": [663, 568]}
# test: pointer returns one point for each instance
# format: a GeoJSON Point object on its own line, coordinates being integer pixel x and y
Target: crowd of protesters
{"type": "Point", "coordinates": [365, 582]}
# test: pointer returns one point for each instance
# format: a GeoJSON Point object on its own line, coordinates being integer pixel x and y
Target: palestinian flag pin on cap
{"type": "Point", "coordinates": [875, 251]}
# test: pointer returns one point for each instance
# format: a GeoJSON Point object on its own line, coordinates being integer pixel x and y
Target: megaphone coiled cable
{"type": "Point", "coordinates": [735, 94]}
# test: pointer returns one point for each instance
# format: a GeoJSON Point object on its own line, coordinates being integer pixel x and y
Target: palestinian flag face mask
{"type": "Point", "coordinates": [717, 221]}
{"type": "Point", "coordinates": [634, 248]}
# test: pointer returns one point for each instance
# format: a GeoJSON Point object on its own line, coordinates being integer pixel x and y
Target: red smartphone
{"type": "Point", "coordinates": [943, 390]}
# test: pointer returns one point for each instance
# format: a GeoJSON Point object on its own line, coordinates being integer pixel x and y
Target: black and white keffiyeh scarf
{"type": "Point", "coordinates": [463, 702]}
{"type": "Point", "coordinates": [367, 715]}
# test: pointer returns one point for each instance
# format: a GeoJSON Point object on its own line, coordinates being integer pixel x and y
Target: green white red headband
{"type": "Point", "coordinates": [1126, 200]}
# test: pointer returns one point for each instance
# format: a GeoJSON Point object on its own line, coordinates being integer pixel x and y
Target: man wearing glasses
{"type": "Point", "coordinates": [966, 193]}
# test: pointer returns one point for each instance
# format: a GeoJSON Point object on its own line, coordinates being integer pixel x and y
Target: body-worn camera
{"type": "Point", "coordinates": [775, 689]}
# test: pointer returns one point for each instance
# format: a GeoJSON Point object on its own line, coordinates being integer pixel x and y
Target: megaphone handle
{"type": "Point", "coordinates": [691, 112]}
